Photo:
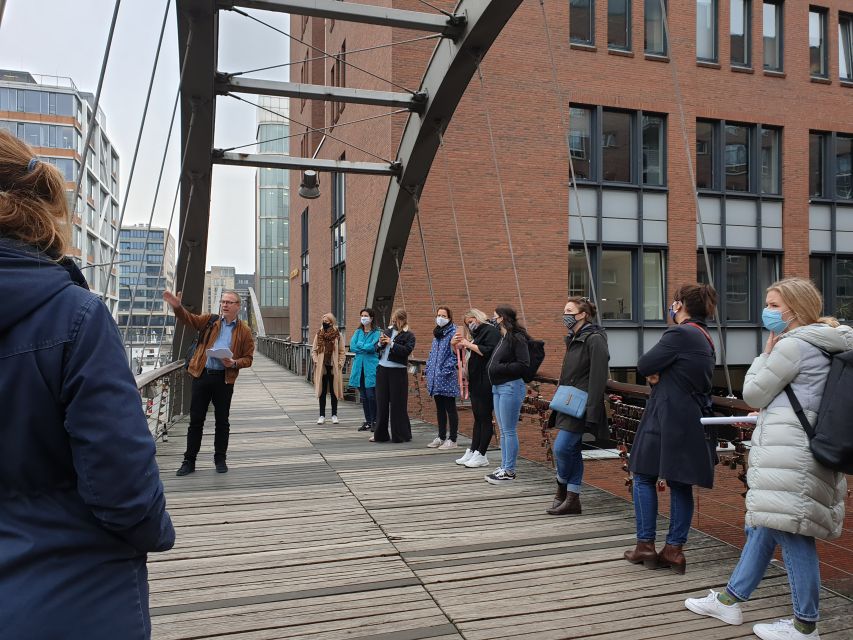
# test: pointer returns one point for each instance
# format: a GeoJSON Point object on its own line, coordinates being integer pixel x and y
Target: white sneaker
{"type": "Point", "coordinates": [711, 606]}
{"type": "Point", "coordinates": [782, 630]}
{"type": "Point", "coordinates": [477, 460]}
{"type": "Point", "coordinates": [335, 420]}
{"type": "Point", "coordinates": [447, 444]}
{"type": "Point", "coordinates": [466, 457]}
{"type": "Point", "coordinates": [435, 443]}
{"type": "Point", "coordinates": [321, 420]}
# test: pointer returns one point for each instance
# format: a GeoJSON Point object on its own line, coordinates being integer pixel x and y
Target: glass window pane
{"type": "Point", "coordinates": [771, 156]}
{"type": "Point", "coordinates": [769, 271]}
{"type": "Point", "coordinates": [617, 285]}
{"type": "Point", "coordinates": [737, 158]}
{"type": "Point", "coordinates": [816, 151]}
{"type": "Point", "coordinates": [653, 150]}
{"type": "Point", "coordinates": [739, 32]}
{"type": "Point", "coordinates": [844, 290]}
{"type": "Point", "coordinates": [32, 102]}
{"type": "Point", "coordinates": [653, 285]}
{"type": "Point", "coordinates": [845, 46]}
{"type": "Point", "coordinates": [738, 281]}
{"type": "Point", "coordinates": [578, 274]}
{"type": "Point", "coordinates": [616, 146]}
{"type": "Point", "coordinates": [705, 148]}
{"type": "Point", "coordinates": [843, 166]}
{"type": "Point", "coordinates": [655, 36]}
{"type": "Point", "coordinates": [817, 273]}
{"type": "Point", "coordinates": [772, 28]}
{"type": "Point", "coordinates": [619, 24]}
{"type": "Point", "coordinates": [581, 15]}
{"type": "Point", "coordinates": [701, 270]}
{"type": "Point", "coordinates": [817, 43]}
{"type": "Point", "coordinates": [580, 143]}
{"type": "Point", "coordinates": [706, 29]}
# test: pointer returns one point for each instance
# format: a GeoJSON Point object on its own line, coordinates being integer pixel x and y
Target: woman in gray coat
{"type": "Point", "coordinates": [792, 498]}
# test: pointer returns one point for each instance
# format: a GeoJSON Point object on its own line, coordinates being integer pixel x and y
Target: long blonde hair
{"type": "Point", "coordinates": [802, 297]}
{"type": "Point", "coordinates": [478, 315]}
{"type": "Point", "coordinates": [33, 208]}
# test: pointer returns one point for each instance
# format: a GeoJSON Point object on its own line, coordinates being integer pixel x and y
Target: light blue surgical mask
{"type": "Point", "coordinates": [772, 320]}
{"type": "Point", "coordinates": [672, 311]}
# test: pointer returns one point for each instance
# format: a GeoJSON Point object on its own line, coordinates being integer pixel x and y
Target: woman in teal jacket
{"type": "Point", "coordinates": [363, 375]}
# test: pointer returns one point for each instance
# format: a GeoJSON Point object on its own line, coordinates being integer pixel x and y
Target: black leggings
{"type": "Point", "coordinates": [445, 408]}
{"type": "Point", "coordinates": [481, 437]}
{"type": "Point", "coordinates": [328, 385]}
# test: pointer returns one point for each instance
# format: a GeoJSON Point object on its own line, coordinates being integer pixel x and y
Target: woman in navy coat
{"type": "Point", "coordinates": [443, 379]}
{"type": "Point", "coordinates": [671, 443]}
{"type": "Point", "coordinates": [81, 502]}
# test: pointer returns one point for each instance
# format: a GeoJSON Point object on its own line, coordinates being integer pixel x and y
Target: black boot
{"type": "Point", "coordinates": [571, 506]}
{"type": "Point", "coordinates": [560, 496]}
{"type": "Point", "coordinates": [187, 467]}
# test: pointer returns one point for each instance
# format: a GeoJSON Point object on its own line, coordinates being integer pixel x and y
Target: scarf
{"type": "Point", "coordinates": [326, 340]}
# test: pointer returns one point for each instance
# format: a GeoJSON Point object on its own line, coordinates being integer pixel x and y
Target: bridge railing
{"type": "Point", "coordinates": [157, 389]}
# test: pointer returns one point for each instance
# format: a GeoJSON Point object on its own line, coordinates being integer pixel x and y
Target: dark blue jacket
{"type": "Point", "coordinates": [81, 502]}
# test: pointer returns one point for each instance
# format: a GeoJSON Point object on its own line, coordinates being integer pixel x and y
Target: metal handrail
{"type": "Point", "coordinates": [157, 388]}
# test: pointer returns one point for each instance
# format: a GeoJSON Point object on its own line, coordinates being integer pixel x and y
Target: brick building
{"type": "Point", "coordinates": [759, 92]}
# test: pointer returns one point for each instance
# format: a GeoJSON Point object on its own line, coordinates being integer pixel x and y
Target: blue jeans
{"type": "Point", "coordinates": [508, 398]}
{"type": "Point", "coordinates": [569, 461]}
{"type": "Point", "coordinates": [646, 509]}
{"type": "Point", "coordinates": [368, 402]}
{"type": "Point", "coordinates": [801, 563]}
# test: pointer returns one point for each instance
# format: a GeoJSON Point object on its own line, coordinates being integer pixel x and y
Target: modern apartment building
{"type": "Point", "coordinates": [51, 114]}
{"type": "Point", "coordinates": [242, 283]}
{"type": "Point", "coordinates": [754, 96]}
{"type": "Point", "coordinates": [217, 280]}
{"type": "Point", "coordinates": [272, 214]}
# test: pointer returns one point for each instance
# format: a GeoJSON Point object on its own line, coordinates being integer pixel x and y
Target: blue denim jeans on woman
{"type": "Point", "coordinates": [569, 461]}
{"type": "Point", "coordinates": [646, 509]}
{"type": "Point", "coordinates": [368, 402]}
{"type": "Point", "coordinates": [508, 398]}
{"type": "Point", "coordinates": [800, 556]}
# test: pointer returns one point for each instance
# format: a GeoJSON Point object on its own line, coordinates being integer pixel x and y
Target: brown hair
{"type": "Point", "coordinates": [403, 317]}
{"type": "Point", "coordinates": [446, 310]}
{"type": "Point", "coordinates": [803, 299]}
{"type": "Point", "coordinates": [33, 208]}
{"type": "Point", "coordinates": [584, 305]}
{"type": "Point", "coordinates": [700, 300]}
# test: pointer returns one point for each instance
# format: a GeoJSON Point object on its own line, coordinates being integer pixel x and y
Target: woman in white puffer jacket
{"type": "Point", "coordinates": [792, 499]}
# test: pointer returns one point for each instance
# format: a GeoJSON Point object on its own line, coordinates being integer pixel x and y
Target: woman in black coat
{"type": "Point", "coordinates": [585, 368]}
{"type": "Point", "coordinates": [392, 384]}
{"type": "Point", "coordinates": [671, 443]}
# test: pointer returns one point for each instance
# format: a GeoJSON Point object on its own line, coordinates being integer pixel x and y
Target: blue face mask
{"type": "Point", "coordinates": [772, 320]}
{"type": "Point", "coordinates": [672, 311]}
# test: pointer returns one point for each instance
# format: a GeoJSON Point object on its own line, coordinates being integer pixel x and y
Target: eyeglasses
{"type": "Point", "coordinates": [229, 302]}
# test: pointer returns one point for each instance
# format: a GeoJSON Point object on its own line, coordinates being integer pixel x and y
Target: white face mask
{"type": "Point", "coordinates": [365, 321]}
{"type": "Point", "coordinates": [441, 322]}
{"type": "Point", "coordinates": [472, 325]}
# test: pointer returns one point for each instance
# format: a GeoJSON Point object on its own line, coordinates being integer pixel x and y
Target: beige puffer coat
{"type": "Point", "coordinates": [788, 489]}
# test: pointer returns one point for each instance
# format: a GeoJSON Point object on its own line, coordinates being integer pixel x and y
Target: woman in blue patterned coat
{"type": "Point", "coordinates": [363, 375]}
{"type": "Point", "coordinates": [442, 379]}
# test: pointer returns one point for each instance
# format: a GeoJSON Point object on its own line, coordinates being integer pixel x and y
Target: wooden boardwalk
{"type": "Point", "coordinates": [317, 534]}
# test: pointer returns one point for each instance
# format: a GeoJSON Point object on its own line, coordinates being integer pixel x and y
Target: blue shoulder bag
{"type": "Point", "coordinates": [569, 400]}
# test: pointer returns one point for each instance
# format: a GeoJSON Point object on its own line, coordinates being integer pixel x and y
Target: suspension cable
{"type": "Point", "coordinates": [423, 248]}
{"type": "Point", "coordinates": [399, 278]}
{"type": "Point", "coordinates": [432, 6]}
{"type": "Point", "coordinates": [322, 129]}
{"type": "Point", "coordinates": [689, 155]}
{"type": "Point", "coordinates": [308, 129]}
{"type": "Point", "coordinates": [431, 36]}
{"type": "Point", "coordinates": [325, 53]}
{"type": "Point", "coordinates": [109, 273]}
{"type": "Point", "coordinates": [90, 127]}
{"type": "Point", "coordinates": [567, 135]}
{"type": "Point", "coordinates": [453, 211]}
{"type": "Point", "coordinates": [500, 188]}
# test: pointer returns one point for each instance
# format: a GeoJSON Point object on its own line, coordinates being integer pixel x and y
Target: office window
{"type": "Point", "coordinates": [706, 30]}
{"type": "Point", "coordinates": [771, 156]}
{"type": "Point", "coordinates": [654, 287]}
{"type": "Point", "coordinates": [741, 280]}
{"type": "Point", "coordinates": [816, 162]}
{"type": "Point", "coordinates": [739, 32]}
{"type": "Point", "coordinates": [578, 274]}
{"type": "Point", "coordinates": [737, 158]}
{"type": "Point", "coordinates": [843, 167]}
{"type": "Point", "coordinates": [339, 253]}
{"type": "Point", "coordinates": [580, 142]}
{"type": "Point", "coordinates": [705, 155]}
{"type": "Point", "coordinates": [654, 145]}
{"type": "Point", "coordinates": [582, 21]}
{"type": "Point", "coordinates": [619, 24]}
{"type": "Point", "coordinates": [845, 46]}
{"type": "Point", "coordinates": [772, 28]}
{"type": "Point", "coordinates": [617, 285]}
{"type": "Point", "coordinates": [655, 35]}
{"type": "Point", "coordinates": [844, 289]}
{"type": "Point", "coordinates": [817, 42]}
{"type": "Point", "coordinates": [616, 146]}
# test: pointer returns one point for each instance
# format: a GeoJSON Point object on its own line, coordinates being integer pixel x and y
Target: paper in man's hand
{"type": "Point", "coordinates": [224, 352]}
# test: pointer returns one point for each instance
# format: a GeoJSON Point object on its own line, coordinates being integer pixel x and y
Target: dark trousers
{"type": "Point", "coordinates": [368, 401]}
{"type": "Point", "coordinates": [392, 397]}
{"type": "Point", "coordinates": [207, 388]}
{"type": "Point", "coordinates": [445, 408]}
{"type": "Point", "coordinates": [481, 436]}
{"type": "Point", "coordinates": [328, 385]}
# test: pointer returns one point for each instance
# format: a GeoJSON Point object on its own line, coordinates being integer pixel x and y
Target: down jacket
{"type": "Point", "coordinates": [788, 489]}
{"type": "Point", "coordinates": [441, 367]}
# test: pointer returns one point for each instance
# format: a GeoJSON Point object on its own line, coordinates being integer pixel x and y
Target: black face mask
{"type": "Point", "coordinates": [327, 326]}
{"type": "Point", "coordinates": [493, 322]}
{"type": "Point", "coordinates": [569, 321]}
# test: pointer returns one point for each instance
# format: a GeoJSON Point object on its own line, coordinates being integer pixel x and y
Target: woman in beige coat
{"type": "Point", "coordinates": [328, 353]}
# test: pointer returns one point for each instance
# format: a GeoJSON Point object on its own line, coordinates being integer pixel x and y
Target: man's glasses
{"type": "Point", "coordinates": [229, 302]}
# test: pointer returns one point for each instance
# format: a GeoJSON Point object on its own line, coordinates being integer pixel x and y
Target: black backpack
{"type": "Point", "coordinates": [831, 438]}
{"type": "Point", "coordinates": [194, 345]}
{"type": "Point", "coordinates": [536, 348]}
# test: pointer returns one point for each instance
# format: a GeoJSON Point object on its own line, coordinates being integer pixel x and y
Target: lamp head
{"type": "Point", "coordinates": [309, 188]}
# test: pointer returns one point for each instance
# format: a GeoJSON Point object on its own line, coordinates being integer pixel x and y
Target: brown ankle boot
{"type": "Point", "coordinates": [571, 506]}
{"type": "Point", "coordinates": [560, 496]}
{"type": "Point", "coordinates": [644, 552]}
{"type": "Point", "coordinates": [672, 556]}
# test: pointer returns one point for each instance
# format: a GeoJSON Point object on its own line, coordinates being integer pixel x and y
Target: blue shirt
{"type": "Point", "coordinates": [226, 330]}
{"type": "Point", "coordinates": [384, 361]}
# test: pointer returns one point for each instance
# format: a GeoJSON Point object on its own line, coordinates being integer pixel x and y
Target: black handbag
{"type": "Point", "coordinates": [194, 345]}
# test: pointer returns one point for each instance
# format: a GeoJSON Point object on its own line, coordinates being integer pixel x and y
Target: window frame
{"type": "Point", "coordinates": [715, 33]}
{"type": "Point", "coordinates": [746, 63]}
{"type": "Point", "coordinates": [779, 38]}
{"type": "Point", "coordinates": [628, 27]}
{"type": "Point", "coordinates": [823, 16]}
{"type": "Point", "coordinates": [590, 24]}
{"type": "Point", "coordinates": [718, 258]}
{"type": "Point", "coordinates": [754, 159]}
{"type": "Point", "coordinates": [338, 246]}
{"type": "Point", "coordinates": [664, 52]}
{"type": "Point", "coordinates": [845, 51]}
{"type": "Point", "coordinates": [305, 275]}
{"type": "Point", "coordinates": [829, 167]}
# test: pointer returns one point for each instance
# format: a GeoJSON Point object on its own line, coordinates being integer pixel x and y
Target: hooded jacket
{"type": "Point", "coordinates": [788, 489]}
{"type": "Point", "coordinates": [81, 502]}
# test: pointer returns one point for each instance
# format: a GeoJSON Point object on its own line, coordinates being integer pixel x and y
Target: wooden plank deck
{"type": "Point", "coordinates": [317, 534]}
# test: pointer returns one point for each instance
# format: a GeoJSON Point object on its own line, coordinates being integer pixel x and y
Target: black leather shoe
{"type": "Point", "coordinates": [187, 467]}
{"type": "Point", "coordinates": [221, 467]}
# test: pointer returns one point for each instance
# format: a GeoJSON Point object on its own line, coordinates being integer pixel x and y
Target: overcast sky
{"type": "Point", "coordinates": [65, 38]}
